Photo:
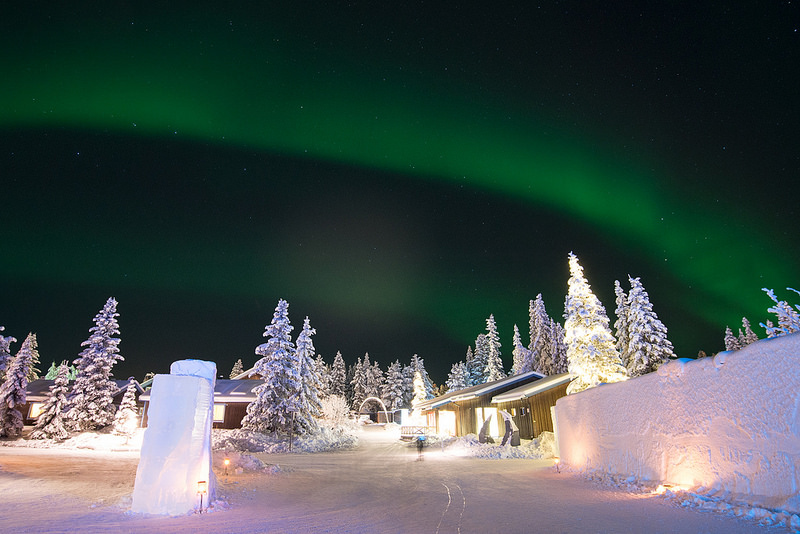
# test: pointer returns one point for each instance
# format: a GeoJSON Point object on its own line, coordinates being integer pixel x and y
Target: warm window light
{"type": "Point", "coordinates": [202, 488]}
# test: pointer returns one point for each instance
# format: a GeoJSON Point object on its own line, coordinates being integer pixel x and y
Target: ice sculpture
{"type": "Point", "coordinates": [176, 450]}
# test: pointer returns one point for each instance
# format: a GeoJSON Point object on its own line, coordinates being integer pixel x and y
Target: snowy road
{"type": "Point", "coordinates": [381, 487]}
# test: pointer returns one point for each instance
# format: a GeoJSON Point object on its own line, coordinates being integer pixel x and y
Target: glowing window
{"type": "Point", "coordinates": [36, 410]}
{"type": "Point", "coordinates": [219, 413]}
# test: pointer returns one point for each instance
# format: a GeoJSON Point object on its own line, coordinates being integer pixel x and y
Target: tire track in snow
{"type": "Point", "coordinates": [447, 507]}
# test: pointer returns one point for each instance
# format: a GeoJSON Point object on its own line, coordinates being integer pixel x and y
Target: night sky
{"type": "Point", "coordinates": [397, 171]}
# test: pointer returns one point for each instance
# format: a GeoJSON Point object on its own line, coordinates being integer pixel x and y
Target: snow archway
{"type": "Point", "coordinates": [376, 399]}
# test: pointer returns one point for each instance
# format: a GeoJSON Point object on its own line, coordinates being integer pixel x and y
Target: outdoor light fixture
{"type": "Point", "coordinates": [556, 460]}
{"type": "Point", "coordinates": [202, 488]}
{"type": "Point", "coordinates": [227, 462]}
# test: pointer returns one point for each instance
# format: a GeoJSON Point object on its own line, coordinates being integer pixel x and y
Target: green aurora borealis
{"type": "Point", "coordinates": [223, 89]}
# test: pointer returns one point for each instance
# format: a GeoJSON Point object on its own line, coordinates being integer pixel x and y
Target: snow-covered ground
{"type": "Point", "coordinates": [377, 485]}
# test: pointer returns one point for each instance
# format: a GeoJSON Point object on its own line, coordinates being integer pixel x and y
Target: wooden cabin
{"type": "Point", "coordinates": [530, 404]}
{"type": "Point", "coordinates": [231, 398]}
{"type": "Point", "coordinates": [462, 412]}
{"type": "Point", "coordinates": [38, 391]}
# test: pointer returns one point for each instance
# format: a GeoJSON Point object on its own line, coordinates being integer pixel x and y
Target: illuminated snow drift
{"type": "Point", "coordinates": [175, 459]}
{"type": "Point", "coordinates": [729, 424]}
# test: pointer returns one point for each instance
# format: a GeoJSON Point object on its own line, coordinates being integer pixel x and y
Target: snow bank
{"type": "Point", "coordinates": [470, 446]}
{"type": "Point", "coordinates": [326, 438]}
{"type": "Point", "coordinates": [727, 426]}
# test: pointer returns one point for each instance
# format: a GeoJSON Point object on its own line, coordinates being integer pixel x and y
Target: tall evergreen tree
{"type": "Point", "coordinates": [558, 349]}
{"type": "Point", "coordinates": [125, 418]}
{"type": "Point", "coordinates": [408, 384]}
{"type": "Point", "coordinates": [359, 381]}
{"type": "Point", "coordinates": [13, 391]}
{"type": "Point", "coordinates": [748, 336]}
{"type": "Point", "coordinates": [91, 402]}
{"type": "Point", "coordinates": [5, 353]}
{"type": "Point", "coordinates": [419, 390]}
{"type": "Point", "coordinates": [480, 356]}
{"type": "Point", "coordinates": [593, 357]}
{"type": "Point", "coordinates": [374, 380]}
{"type": "Point", "coordinates": [647, 344]}
{"type": "Point", "coordinates": [338, 378]}
{"type": "Point", "coordinates": [271, 410]}
{"type": "Point", "coordinates": [393, 387]}
{"type": "Point", "coordinates": [621, 324]}
{"type": "Point", "coordinates": [494, 363]}
{"type": "Point", "coordinates": [418, 364]}
{"type": "Point", "coordinates": [50, 423]}
{"type": "Point", "coordinates": [541, 347]}
{"type": "Point", "coordinates": [324, 372]}
{"type": "Point", "coordinates": [520, 353]}
{"type": "Point", "coordinates": [308, 403]}
{"type": "Point", "coordinates": [458, 377]}
{"type": "Point", "coordinates": [731, 341]}
{"type": "Point", "coordinates": [237, 369]}
{"type": "Point", "coordinates": [469, 362]}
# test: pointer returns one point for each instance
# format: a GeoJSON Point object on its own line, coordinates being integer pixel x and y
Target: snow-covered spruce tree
{"type": "Point", "coordinates": [621, 324]}
{"type": "Point", "coordinates": [468, 361]}
{"type": "Point", "coordinates": [324, 373]}
{"type": "Point", "coordinates": [393, 386]}
{"type": "Point", "coordinates": [458, 378]}
{"type": "Point", "coordinates": [419, 390]}
{"type": "Point", "coordinates": [50, 424]}
{"type": "Point", "coordinates": [338, 379]}
{"type": "Point", "coordinates": [307, 406]}
{"type": "Point", "coordinates": [33, 371]}
{"type": "Point", "coordinates": [788, 318]}
{"type": "Point", "coordinates": [270, 410]}
{"type": "Point", "coordinates": [494, 363]}
{"type": "Point", "coordinates": [480, 356]}
{"type": "Point", "coordinates": [591, 351]}
{"type": "Point", "coordinates": [731, 341]}
{"type": "Point", "coordinates": [91, 402]}
{"type": "Point", "coordinates": [748, 336]}
{"type": "Point", "coordinates": [647, 344]}
{"type": "Point", "coordinates": [375, 380]}
{"type": "Point", "coordinates": [237, 369]}
{"type": "Point", "coordinates": [5, 353]}
{"type": "Point", "coordinates": [418, 364]}
{"type": "Point", "coordinates": [408, 385]}
{"type": "Point", "coordinates": [52, 371]}
{"type": "Point", "coordinates": [359, 382]}
{"type": "Point", "coordinates": [519, 353]}
{"type": "Point", "coordinates": [558, 349]}
{"type": "Point", "coordinates": [125, 420]}
{"type": "Point", "coordinates": [541, 345]}
{"type": "Point", "coordinates": [13, 390]}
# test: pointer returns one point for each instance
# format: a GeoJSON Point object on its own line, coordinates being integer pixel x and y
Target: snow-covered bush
{"type": "Point", "coordinates": [788, 318]}
{"type": "Point", "coordinates": [335, 410]}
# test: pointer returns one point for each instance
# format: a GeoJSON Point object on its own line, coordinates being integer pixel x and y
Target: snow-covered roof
{"type": "Point", "coordinates": [228, 390]}
{"type": "Point", "coordinates": [478, 390]}
{"type": "Point", "coordinates": [529, 390]}
{"type": "Point", "coordinates": [243, 374]}
{"type": "Point", "coordinates": [39, 390]}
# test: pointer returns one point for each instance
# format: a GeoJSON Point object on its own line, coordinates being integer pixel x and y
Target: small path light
{"type": "Point", "coordinates": [227, 462]}
{"type": "Point", "coordinates": [202, 489]}
{"type": "Point", "coordinates": [556, 460]}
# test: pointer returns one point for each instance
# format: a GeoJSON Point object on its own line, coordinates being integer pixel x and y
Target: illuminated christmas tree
{"type": "Point", "coordinates": [591, 351]}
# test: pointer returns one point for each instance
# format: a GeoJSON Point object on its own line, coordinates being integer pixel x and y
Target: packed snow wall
{"type": "Point", "coordinates": [176, 449]}
{"type": "Point", "coordinates": [729, 424]}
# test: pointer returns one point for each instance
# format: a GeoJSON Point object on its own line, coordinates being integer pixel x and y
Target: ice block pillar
{"type": "Point", "coordinates": [176, 450]}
